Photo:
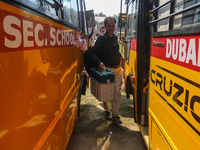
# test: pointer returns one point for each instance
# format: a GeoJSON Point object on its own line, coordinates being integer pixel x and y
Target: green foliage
{"type": "Point", "coordinates": [100, 15]}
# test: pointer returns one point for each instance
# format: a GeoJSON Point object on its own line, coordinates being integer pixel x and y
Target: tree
{"type": "Point", "coordinates": [100, 15]}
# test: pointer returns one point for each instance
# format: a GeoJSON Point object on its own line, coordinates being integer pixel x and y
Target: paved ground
{"type": "Point", "coordinates": [93, 132]}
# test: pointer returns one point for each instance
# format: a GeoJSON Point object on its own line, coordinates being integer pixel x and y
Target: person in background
{"type": "Point", "coordinates": [102, 30]}
{"type": "Point", "coordinates": [106, 54]}
{"type": "Point", "coordinates": [97, 35]}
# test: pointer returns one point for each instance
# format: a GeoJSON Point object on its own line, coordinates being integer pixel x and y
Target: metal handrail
{"type": "Point", "coordinates": [177, 13]}
{"type": "Point", "coordinates": [155, 9]}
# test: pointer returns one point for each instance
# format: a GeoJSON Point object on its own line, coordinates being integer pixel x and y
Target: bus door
{"type": "Point", "coordinates": [130, 50]}
{"type": "Point", "coordinates": [137, 56]}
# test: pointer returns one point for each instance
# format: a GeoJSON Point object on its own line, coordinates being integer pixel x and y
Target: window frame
{"type": "Point", "coordinates": [133, 25]}
{"type": "Point", "coordinates": [191, 29]}
{"type": "Point", "coordinates": [77, 14]}
{"type": "Point", "coordinates": [128, 37]}
{"type": "Point", "coordinates": [40, 11]}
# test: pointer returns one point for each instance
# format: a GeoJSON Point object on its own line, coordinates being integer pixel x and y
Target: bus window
{"type": "Point", "coordinates": [187, 18]}
{"type": "Point", "coordinates": [163, 12]}
{"type": "Point", "coordinates": [53, 6]}
{"type": "Point", "coordinates": [84, 17]}
{"type": "Point", "coordinates": [80, 14]}
{"type": "Point", "coordinates": [131, 26]}
{"type": "Point", "coordinates": [132, 20]}
{"type": "Point", "coordinates": [70, 10]}
{"type": "Point", "coordinates": [177, 19]}
{"type": "Point", "coordinates": [197, 14]}
{"type": "Point", "coordinates": [36, 2]}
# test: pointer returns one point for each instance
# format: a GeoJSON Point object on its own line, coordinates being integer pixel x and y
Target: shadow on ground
{"type": "Point", "coordinates": [93, 132]}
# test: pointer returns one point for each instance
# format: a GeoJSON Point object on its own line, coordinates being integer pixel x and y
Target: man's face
{"type": "Point", "coordinates": [102, 31]}
{"type": "Point", "coordinates": [110, 27]}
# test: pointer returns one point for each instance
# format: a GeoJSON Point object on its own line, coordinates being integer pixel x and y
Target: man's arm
{"type": "Point", "coordinates": [96, 51]}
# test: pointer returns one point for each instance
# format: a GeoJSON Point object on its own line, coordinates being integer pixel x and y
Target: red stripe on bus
{"type": "Point", "coordinates": [19, 33]}
{"type": "Point", "coordinates": [183, 51]}
{"type": "Point", "coordinates": [133, 46]}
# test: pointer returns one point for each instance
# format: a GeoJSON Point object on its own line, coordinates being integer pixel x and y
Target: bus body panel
{"type": "Point", "coordinates": [173, 99]}
{"type": "Point", "coordinates": [158, 140]}
{"type": "Point", "coordinates": [130, 69]}
{"type": "Point", "coordinates": [130, 65]}
{"type": "Point", "coordinates": [174, 96]}
{"type": "Point", "coordinates": [40, 72]}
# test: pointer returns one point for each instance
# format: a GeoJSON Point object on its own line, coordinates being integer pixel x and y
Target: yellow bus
{"type": "Point", "coordinates": [162, 71]}
{"type": "Point", "coordinates": [41, 59]}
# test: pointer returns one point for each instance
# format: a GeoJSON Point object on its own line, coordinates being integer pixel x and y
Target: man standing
{"type": "Point", "coordinates": [106, 54]}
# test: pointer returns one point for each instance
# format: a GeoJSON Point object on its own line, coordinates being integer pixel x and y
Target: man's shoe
{"type": "Point", "coordinates": [107, 115]}
{"type": "Point", "coordinates": [116, 120]}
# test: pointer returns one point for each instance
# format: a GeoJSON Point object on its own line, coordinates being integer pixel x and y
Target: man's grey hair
{"type": "Point", "coordinates": [109, 19]}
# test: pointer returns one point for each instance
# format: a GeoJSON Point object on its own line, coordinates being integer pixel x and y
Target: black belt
{"type": "Point", "coordinates": [113, 66]}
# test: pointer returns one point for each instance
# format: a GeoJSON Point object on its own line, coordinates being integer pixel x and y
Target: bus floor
{"type": "Point", "coordinates": [93, 132]}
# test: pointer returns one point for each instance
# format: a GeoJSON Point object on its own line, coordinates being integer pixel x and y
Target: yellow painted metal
{"type": "Point", "coordinates": [145, 135]}
{"type": "Point", "coordinates": [38, 91]}
{"type": "Point", "coordinates": [131, 68]}
{"type": "Point", "coordinates": [175, 123]}
{"type": "Point", "coordinates": [157, 139]}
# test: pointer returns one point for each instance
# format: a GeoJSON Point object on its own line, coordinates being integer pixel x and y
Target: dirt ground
{"type": "Point", "coordinates": [93, 132]}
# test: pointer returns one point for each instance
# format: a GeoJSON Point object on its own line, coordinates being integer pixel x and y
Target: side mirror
{"type": "Point", "coordinates": [121, 20]}
{"type": "Point", "coordinates": [90, 18]}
